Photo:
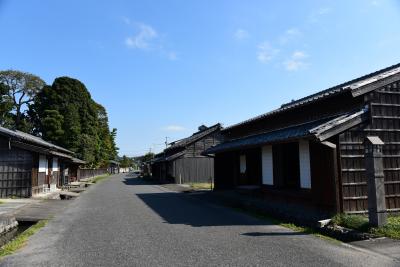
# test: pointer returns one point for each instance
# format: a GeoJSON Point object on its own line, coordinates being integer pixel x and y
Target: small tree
{"type": "Point", "coordinates": [22, 88]}
{"type": "Point", "coordinates": [148, 156]}
{"type": "Point", "coordinates": [126, 162]}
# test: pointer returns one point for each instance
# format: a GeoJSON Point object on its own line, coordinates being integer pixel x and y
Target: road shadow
{"type": "Point", "coordinates": [177, 208]}
{"type": "Point", "coordinates": [260, 234]}
{"type": "Point", "coordinates": [198, 210]}
{"type": "Point", "coordinates": [134, 180]}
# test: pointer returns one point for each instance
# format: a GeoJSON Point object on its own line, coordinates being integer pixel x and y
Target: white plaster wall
{"type": "Point", "coordinates": [267, 165]}
{"type": "Point", "coordinates": [43, 164]}
{"type": "Point", "coordinates": [305, 167]}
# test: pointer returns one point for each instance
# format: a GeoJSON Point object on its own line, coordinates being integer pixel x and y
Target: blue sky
{"type": "Point", "coordinates": [162, 68]}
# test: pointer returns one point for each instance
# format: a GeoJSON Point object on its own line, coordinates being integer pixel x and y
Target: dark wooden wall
{"type": "Point", "coordinates": [15, 171]}
{"type": "Point", "coordinates": [193, 170]}
{"type": "Point", "coordinates": [323, 177]}
{"type": "Point", "coordinates": [198, 147]}
{"type": "Point", "coordinates": [384, 105]}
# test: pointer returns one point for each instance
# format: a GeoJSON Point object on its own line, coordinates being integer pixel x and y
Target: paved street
{"type": "Point", "coordinates": [125, 222]}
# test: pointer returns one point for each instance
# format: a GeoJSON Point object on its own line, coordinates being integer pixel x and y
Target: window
{"type": "Point", "coordinates": [242, 163]}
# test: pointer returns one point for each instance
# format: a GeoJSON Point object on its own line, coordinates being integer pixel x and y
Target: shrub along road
{"type": "Point", "coordinates": [123, 221]}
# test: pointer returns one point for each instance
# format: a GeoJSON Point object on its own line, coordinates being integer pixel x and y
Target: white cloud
{"type": "Point", "coordinates": [289, 35]}
{"type": "Point", "coordinates": [299, 55]}
{"type": "Point", "coordinates": [241, 34]}
{"type": "Point", "coordinates": [324, 10]}
{"type": "Point", "coordinates": [376, 3]}
{"type": "Point", "coordinates": [148, 39]}
{"type": "Point", "coordinates": [174, 128]}
{"type": "Point", "coordinates": [297, 61]}
{"type": "Point", "coordinates": [143, 39]}
{"type": "Point", "coordinates": [266, 52]}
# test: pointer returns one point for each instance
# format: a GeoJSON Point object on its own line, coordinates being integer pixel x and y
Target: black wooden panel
{"type": "Point", "coordinates": [384, 106]}
{"type": "Point", "coordinates": [15, 173]}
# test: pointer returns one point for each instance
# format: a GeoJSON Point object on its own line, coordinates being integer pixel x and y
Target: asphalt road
{"type": "Point", "coordinates": [124, 222]}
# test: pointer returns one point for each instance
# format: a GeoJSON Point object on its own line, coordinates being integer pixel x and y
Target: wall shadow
{"type": "Point", "coordinates": [260, 234]}
{"type": "Point", "coordinates": [176, 208]}
{"type": "Point", "coordinates": [197, 211]}
{"type": "Point", "coordinates": [134, 180]}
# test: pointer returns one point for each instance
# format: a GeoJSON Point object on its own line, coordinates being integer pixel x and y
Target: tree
{"type": "Point", "coordinates": [5, 106]}
{"type": "Point", "coordinates": [65, 114]}
{"type": "Point", "coordinates": [22, 88]}
{"type": "Point", "coordinates": [126, 162]}
{"type": "Point", "coordinates": [52, 125]}
{"type": "Point", "coordinates": [148, 156]}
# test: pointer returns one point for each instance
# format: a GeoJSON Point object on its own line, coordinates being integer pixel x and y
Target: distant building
{"type": "Point", "coordinates": [311, 151]}
{"type": "Point", "coordinates": [113, 167]}
{"type": "Point", "coordinates": [183, 162]}
{"type": "Point", "coordinates": [29, 165]}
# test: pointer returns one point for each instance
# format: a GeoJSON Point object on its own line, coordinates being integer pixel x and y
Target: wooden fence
{"type": "Point", "coordinates": [88, 173]}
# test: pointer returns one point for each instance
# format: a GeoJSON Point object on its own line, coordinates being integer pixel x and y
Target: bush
{"type": "Point", "coordinates": [391, 229]}
{"type": "Point", "coordinates": [356, 222]}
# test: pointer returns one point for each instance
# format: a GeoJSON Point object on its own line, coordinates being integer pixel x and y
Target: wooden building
{"type": "Point", "coordinates": [29, 165]}
{"type": "Point", "coordinates": [310, 151]}
{"type": "Point", "coordinates": [183, 162]}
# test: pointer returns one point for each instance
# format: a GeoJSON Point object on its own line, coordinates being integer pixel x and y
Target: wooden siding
{"type": "Point", "coordinates": [15, 172]}
{"type": "Point", "coordinates": [198, 147]}
{"type": "Point", "coordinates": [193, 170]}
{"type": "Point", "coordinates": [384, 105]}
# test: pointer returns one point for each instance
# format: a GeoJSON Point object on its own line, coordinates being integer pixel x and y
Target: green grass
{"type": "Point", "coordinates": [356, 222]}
{"type": "Point", "coordinates": [199, 186]}
{"type": "Point", "coordinates": [361, 223]}
{"type": "Point", "coordinates": [391, 229]}
{"type": "Point", "coordinates": [100, 178]}
{"type": "Point", "coordinates": [21, 240]}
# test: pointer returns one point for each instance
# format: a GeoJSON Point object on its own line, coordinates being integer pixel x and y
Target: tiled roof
{"type": "Point", "coordinates": [24, 137]}
{"type": "Point", "coordinates": [347, 86]}
{"type": "Point", "coordinates": [193, 138]}
{"type": "Point", "coordinates": [316, 129]}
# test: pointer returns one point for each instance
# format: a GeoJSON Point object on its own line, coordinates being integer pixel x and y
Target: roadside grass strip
{"type": "Point", "coordinates": [100, 178]}
{"type": "Point", "coordinates": [200, 186]}
{"type": "Point", "coordinates": [21, 239]}
{"type": "Point", "coordinates": [360, 223]}
{"type": "Point", "coordinates": [289, 225]}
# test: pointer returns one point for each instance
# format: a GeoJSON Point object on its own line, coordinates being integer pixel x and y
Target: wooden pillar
{"type": "Point", "coordinates": [376, 181]}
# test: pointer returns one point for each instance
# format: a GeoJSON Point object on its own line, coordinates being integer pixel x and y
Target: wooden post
{"type": "Point", "coordinates": [376, 181]}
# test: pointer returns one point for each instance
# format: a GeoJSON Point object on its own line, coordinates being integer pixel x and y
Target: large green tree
{"type": "Point", "coordinates": [22, 87]}
{"type": "Point", "coordinates": [65, 113]}
{"type": "Point", "coordinates": [6, 104]}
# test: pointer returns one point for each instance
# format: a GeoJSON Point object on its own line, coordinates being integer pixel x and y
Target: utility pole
{"type": "Point", "coordinates": [166, 141]}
